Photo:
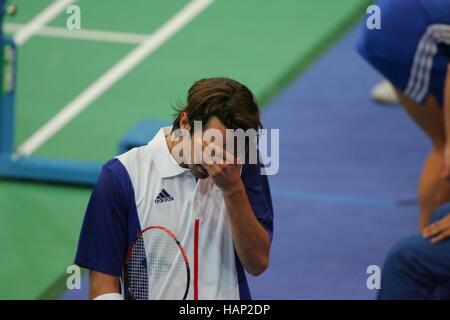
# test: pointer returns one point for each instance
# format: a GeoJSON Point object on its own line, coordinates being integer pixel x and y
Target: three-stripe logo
{"type": "Point", "coordinates": [163, 196]}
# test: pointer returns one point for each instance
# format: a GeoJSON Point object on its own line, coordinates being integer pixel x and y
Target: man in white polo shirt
{"type": "Point", "coordinates": [221, 212]}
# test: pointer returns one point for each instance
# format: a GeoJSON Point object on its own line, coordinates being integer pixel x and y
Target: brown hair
{"type": "Point", "coordinates": [231, 102]}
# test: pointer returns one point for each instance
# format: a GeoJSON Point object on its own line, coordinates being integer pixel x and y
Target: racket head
{"type": "Point", "coordinates": [156, 266]}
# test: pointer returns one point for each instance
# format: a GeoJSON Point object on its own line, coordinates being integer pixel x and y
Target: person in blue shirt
{"type": "Point", "coordinates": [221, 213]}
{"type": "Point", "coordinates": [412, 51]}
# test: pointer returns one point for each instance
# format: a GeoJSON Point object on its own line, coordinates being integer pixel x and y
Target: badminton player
{"type": "Point", "coordinates": [221, 213]}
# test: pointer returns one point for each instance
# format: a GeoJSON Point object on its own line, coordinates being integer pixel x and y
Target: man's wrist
{"type": "Point", "coordinates": [235, 189]}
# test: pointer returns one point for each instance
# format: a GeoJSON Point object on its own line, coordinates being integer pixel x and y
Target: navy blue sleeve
{"type": "Point", "coordinates": [103, 239]}
{"type": "Point", "coordinates": [258, 193]}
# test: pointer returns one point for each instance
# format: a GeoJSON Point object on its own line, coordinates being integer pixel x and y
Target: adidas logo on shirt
{"type": "Point", "coordinates": [163, 197]}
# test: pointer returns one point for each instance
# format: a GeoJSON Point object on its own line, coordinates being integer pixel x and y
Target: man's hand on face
{"type": "Point", "coordinates": [226, 176]}
{"type": "Point", "coordinates": [438, 231]}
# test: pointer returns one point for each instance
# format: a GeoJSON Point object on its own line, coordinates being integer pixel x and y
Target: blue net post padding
{"type": "Point", "coordinates": [7, 84]}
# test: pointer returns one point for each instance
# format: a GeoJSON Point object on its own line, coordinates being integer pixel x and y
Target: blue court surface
{"type": "Point", "coordinates": [346, 189]}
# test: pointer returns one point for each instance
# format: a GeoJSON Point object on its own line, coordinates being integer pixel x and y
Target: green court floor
{"type": "Point", "coordinates": [263, 44]}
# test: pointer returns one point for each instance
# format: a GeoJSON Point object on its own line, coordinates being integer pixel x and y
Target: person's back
{"type": "Point", "coordinates": [438, 10]}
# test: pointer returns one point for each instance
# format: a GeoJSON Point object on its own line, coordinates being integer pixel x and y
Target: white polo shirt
{"type": "Point", "coordinates": [145, 187]}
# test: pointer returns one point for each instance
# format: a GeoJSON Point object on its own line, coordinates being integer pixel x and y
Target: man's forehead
{"type": "Point", "coordinates": [215, 123]}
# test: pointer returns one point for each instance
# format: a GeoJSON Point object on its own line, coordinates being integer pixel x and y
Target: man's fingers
{"type": "Point", "coordinates": [211, 155]}
{"type": "Point", "coordinates": [437, 227]}
{"type": "Point", "coordinates": [432, 230]}
{"type": "Point", "coordinates": [216, 154]}
{"type": "Point", "coordinates": [198, 151]}
{"type": "Point", "coordinates": [229, 157]}
{"type": "Point", "coordinates": [204, 151]}
{"type": "Point", "coordinates": [441, 236]}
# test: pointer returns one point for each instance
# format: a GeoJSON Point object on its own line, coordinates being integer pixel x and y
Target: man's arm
{"type": "Point", "coordinates": [101, 283]}
{"type": "Point", "coordinates": [251, 240]}
{"type": "Point", "coordinates": [446, 173]}
{"type": "Point", "coordinates": [103, 237]}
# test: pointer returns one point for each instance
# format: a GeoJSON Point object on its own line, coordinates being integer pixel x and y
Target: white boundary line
{"type": "Point", "coordinates": [83, 34]}
{"type": "Point", "coordinates": [120, 69]}
{"type": "Point", "coordinates": [41, 20]}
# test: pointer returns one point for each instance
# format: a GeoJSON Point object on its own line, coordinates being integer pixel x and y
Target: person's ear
{"type": "Point", "coordinates": [184, 121]}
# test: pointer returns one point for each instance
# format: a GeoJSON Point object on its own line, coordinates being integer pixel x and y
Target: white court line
{"type": "Point", "coordinates": [41, 20]}
{"type": "Point", "coordinates": [83, 34]}
{"type": "Point", "coordinates": [120, 69]}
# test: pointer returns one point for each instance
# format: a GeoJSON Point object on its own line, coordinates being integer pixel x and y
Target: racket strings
{"type": "Point", "coordinates": [137, 271]}
{"type": "Point", "coordinates": [157, 260]}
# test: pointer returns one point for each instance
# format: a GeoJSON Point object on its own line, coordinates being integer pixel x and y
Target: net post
{"type": "Point", "coordinates": [7, 84]}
